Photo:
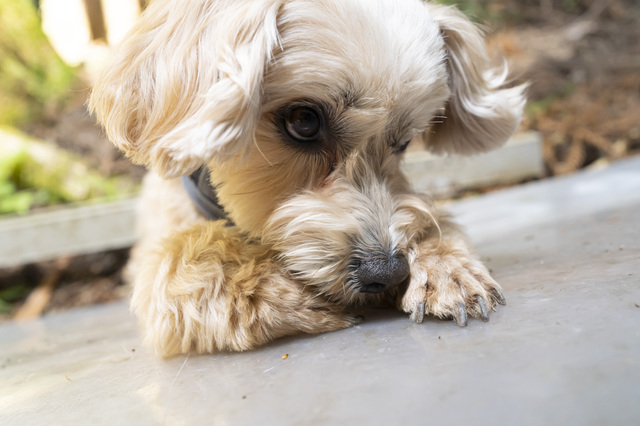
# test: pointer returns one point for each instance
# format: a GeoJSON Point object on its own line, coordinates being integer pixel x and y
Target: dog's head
{"type": "Point", "coordinates": [302, 110]}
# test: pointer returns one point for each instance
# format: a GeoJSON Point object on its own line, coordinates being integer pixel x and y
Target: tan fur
{"type": "Point", "coordinates": [202, 82]}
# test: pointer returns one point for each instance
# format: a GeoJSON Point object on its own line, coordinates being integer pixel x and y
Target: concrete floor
{"type": "Point", "coordinates": [564, 351]}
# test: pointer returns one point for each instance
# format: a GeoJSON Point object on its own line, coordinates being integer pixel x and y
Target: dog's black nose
{"type": "Point", "coordinates": [378, 274]}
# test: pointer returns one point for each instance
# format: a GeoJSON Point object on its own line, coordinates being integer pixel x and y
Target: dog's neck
{"type": "Point", "coordinates": [203, 195]}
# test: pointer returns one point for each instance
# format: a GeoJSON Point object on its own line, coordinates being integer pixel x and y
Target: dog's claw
{"type": "Point", "coordinates": [499, 296]}
{"type": "Point", "coordinates": [484, 312]}
{"type": "Point", "coordinates": [461, 317]}
{"type": "Point", "coordinates": [418, 314]}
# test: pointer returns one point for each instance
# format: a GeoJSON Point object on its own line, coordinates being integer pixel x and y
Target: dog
{"type": "Point", "coordinates": [274, 131]}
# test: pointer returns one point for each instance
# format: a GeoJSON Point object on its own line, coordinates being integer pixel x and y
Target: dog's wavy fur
{"type": "Point", "coordinates": [201, 82]}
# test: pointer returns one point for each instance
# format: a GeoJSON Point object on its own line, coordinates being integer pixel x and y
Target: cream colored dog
{"type": "Point", "coordinates": [300, 110]}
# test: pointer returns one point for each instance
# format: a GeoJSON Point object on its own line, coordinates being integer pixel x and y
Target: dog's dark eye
{"type": "Point", "coordinates": [303, 123]}
{"type": "Point", "coordinates": [403, 146]}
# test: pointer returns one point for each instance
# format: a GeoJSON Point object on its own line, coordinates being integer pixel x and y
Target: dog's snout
{"type": "Point", "coordinates": [377, 274]}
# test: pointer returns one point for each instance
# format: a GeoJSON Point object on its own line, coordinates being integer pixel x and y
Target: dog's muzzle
{"type": "Point", "coordinates": [378, 274]}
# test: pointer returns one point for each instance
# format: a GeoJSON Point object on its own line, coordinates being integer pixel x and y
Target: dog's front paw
{"type": "Point", "coordinates": [449, 282]}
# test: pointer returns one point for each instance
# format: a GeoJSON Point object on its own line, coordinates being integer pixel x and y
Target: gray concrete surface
{"type": "Point", "coordinates": [564, 351]}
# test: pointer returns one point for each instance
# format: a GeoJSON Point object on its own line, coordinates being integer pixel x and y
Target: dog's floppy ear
{"type": "Point", "coordinates": [185, 86]}
{"type": "Point", "coordinates": [480, 114]}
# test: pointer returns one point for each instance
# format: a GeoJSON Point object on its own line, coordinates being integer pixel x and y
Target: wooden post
{"type": "Point", "coordinates": [96, 19]}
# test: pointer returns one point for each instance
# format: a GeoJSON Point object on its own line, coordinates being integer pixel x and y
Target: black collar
{"type": "Point", "coordinates": [203, 195]}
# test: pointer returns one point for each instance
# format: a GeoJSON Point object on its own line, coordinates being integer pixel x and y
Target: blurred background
{"type": "Point", "coordinates": [66, 194]}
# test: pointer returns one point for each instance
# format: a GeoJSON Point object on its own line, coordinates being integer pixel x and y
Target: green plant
{"type": "Point", "coordinates": [35, 173]}
{"type": "Point", "coordinates": [34, 81]}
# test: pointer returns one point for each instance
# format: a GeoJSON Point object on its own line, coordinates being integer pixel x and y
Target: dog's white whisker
{"type": "Point", "coordinates": [178, 373]}
{"type": "Point", "coordinates": [255, 143]}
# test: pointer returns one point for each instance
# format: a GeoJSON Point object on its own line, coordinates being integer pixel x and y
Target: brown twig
{"type": "Point", "coordinates": [39, 298]}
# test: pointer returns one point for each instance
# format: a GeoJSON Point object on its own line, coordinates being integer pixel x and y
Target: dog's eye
{"type": "Point", "coordinates": [303, 123]}
{"type": "Point", "coordinates": [403, 146]}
